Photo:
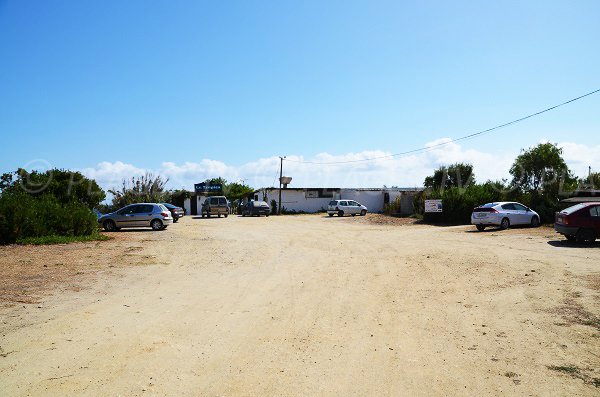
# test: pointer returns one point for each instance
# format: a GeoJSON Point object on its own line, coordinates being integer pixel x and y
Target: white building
{"type": "Point", "coordinates": [316, 199]}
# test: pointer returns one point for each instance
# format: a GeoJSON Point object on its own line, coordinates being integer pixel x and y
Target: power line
{"type": "Point", "coordinates": [428, 148]}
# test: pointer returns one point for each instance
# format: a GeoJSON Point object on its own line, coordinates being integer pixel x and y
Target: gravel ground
{"type": "Point", "coordinates": [302, 305]}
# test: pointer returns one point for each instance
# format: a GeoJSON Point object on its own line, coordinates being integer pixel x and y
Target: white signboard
{"type": "Point", "coordinates": [433, 206]}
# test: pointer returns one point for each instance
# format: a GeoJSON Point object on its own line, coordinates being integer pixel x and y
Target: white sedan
{"type": "Point", "coordinates": [504, 214]}
{"type": "Point", "coordinates": [346, 207]}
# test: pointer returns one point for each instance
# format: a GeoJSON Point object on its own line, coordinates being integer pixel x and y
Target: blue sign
{"type": "Point", "coordinates": [208, 188]}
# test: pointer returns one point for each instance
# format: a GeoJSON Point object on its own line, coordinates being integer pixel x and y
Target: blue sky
{"type": "Point", "coordinates": [149, 85]}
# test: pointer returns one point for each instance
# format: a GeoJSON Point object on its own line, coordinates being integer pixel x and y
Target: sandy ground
{"type": "Point", "coordinates": [302, 305]}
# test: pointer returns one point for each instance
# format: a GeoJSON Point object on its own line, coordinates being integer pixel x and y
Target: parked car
{"type": "Point", "coordinates": [343, 207]}
{"type": "Point", "coordinates": [216, 205]}
{"type": "Point", "coordinates": [153, 215]}
{"type": "Point", "coordinates": [176, 212]}
{"type": "Point", "coordinates": [256, 208]}
{"type": "Point", "coordinates": [504, 214]}
{"type": "Point", "coordinates": [580, 222]}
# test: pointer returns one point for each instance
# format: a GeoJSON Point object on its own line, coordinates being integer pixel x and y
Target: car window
{"type": "Point", "coordinates": [165, 208]}
{"type": "Point", "coordinates": [343, 203]}
{"type": "Point", "coordinates": [508, 207]}
{"type": "Point", "coordinates": [214, 201]}
{"type": "Point", "coordinates": [520, 207]}
{"type": "Point", "coordinates": [222, 201]}
{"type": "Point", "coordinates": [334, 202]}
{"type": "Point", "coordinates": [354, 203]}
{"type": "Point", "coordinates": [127, 210]}
{"type": "Point", "coordinates": [143, 209]}
{"type": "Point", "coordinates": [595, 211]}
{"type": "Point", "coordinates": [573, 209]}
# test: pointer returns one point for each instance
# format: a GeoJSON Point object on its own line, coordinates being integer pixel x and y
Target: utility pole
{"type": "Point", "coordinates": [280, 176]}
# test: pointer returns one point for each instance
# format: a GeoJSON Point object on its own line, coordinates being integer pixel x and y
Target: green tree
{"type": "Point", "coordinates": [541, 174]}
{"type": "Point", "coordinates": [143, 189]}
{"type": "Point", "coordinates": [55, 202]}
{"type": "Point", "coordinates": [236, 191]}
{"type": "Point", "coordinates": [456, 175]}
{"type": "Point", "coordinates": [540, 169]}
{"type": "Point", "coordinates": [64, 185]}
{"type": "Point", "coordinates": [594, 180]}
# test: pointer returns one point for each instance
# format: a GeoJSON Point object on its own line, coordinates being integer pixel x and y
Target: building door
{"type": "Point", "coordinates": [194, 205]}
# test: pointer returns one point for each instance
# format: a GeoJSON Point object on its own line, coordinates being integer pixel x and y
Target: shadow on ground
{"type": "Point", "coordinates": [573, 244]}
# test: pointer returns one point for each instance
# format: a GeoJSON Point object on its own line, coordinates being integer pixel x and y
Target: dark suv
{"type": "Point", "coordinates": [580, 222]}
{"type": "Point", "coordinates": [216, 205]}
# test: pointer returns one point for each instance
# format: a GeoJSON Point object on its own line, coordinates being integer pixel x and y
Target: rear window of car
{"type": "Point", "coordinates": [573, 209]}
{"type": "Point", "coordinates": [163, 207]}
{"type": "Point", "coordinates": [214, 201]}
{"type": "Point", "coordinates": [334, 202]}
{"type": "Point", "coordinates": [222, 201]}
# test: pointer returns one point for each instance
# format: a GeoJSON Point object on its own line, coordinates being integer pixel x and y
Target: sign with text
{"type": "Point", "coordinates": [433, 206]}
{"type": "Point", "coordinates": [208, 187]}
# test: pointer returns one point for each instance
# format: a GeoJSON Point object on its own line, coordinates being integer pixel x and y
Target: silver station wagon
{"type": "Point", "coordinates": [153, 215]}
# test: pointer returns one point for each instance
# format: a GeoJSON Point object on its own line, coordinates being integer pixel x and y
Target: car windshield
{"type": "Point", "coordinates": [573, 209]}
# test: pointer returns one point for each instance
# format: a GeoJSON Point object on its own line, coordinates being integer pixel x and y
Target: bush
{"type": "Point", "coordinates": [23, 216]}
{"type": "Point", "coordinates": [459, 202]}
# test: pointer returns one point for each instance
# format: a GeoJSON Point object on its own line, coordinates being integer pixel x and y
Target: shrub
{"type": "Point", "coordinates": [23, 215]}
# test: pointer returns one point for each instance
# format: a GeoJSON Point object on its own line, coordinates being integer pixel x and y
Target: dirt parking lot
{"type": "Point", "coordinates": [302, 305]}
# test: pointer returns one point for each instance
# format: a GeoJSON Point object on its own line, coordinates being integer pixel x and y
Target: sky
{"type": "Point", "coordinates": [195, 89]}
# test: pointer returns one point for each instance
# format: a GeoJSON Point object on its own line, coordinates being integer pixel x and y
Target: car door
{"type": "Point", "coordinates": [143, 215]}
{"type": "Point", "coordinates": [213, 205]}
{"type": "Point", "coordinates": [355, 208]}
{"type": "Point", "coordinates": [595, 217]}
{"type": "Point", "coordinates": [124, 217]}
{"type": "Point", "coordinates": [222, 205]}
{"type": "Point", "coordinates": [344, 206]}
{"type": "Point", "coordinates": [523, 216]}
{"type": "Point", "coordinates": [509, 211]}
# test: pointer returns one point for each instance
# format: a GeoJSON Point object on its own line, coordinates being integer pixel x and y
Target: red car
{"type": "Point", "coordinates": [580, 222]}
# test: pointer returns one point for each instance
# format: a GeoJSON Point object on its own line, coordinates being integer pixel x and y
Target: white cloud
{"type": "Point", "coordinates": [110, 175]}
{"type": "Point", "coordinates": [579, 157]}
{"type": "Point", "coordinates": [404, 171]}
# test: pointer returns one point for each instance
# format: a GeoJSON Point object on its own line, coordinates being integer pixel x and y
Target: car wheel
{"type": "Point", "coordinates": [481, 228]}
{"type": "Point", "coordinates": [363, 212]}
{"type": "Point", "coordinates": [571, 238]}
{"type": "Point", "coordinates": [156, 224]}
{"type": "Point", "coordinates": [267, 215]}
{"type": "Point", "coordinates": [175, 220]}
{"type": "Point", "coordinates": [505, 224]}
{"type": "Point", "coordinates": [353, 214]}
{"type": "Point", "coordinates": [330, 214]}
{"type": "Point", "coordinates": [341, 213]}
{"type": "Point", "coordinates": [587, 236]}
{"type": "Point", "coordinates": [535, 221]}
{"type": "Point", "coordinates": [109, 225]}
{"type": "Point", "coordinates": [225, 215]}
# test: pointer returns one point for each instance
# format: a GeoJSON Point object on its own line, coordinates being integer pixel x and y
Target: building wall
{"type": "Point", "coordinates": [187, 205]}
{"type": "Point", "coordinates": [373, 199]}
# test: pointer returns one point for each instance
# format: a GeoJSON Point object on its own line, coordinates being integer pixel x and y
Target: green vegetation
{"type": "Point", "coordinates": [53, 203]}
{"type": "Point", "coordinates": [539, 175]}
{"type": "Point", "coordinates": [54, 239]}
